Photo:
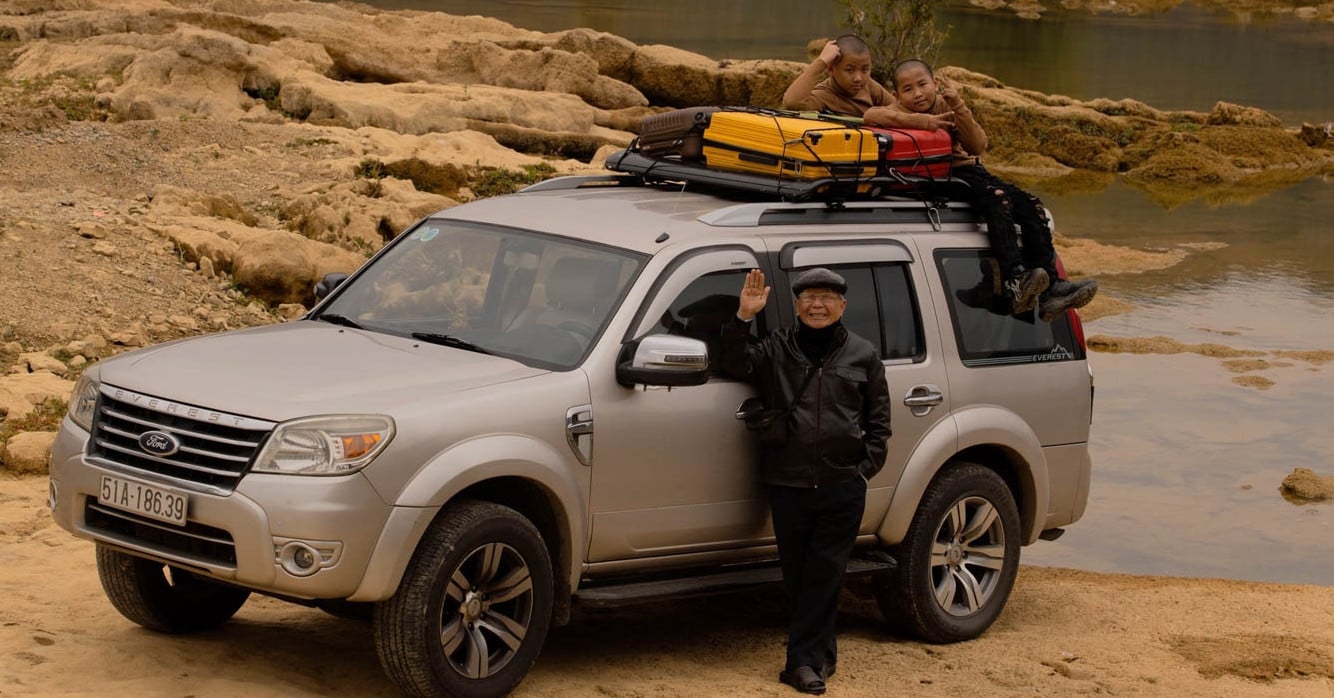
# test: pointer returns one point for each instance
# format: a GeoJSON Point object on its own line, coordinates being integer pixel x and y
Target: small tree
{"type": "Point", "coordinates": [896, 30]}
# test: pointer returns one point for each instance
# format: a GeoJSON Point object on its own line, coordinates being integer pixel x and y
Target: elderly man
{"type": "Point", "coordinates": [837, 436]}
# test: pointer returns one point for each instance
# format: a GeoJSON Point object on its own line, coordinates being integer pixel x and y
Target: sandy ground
{"type": "Point", "coordinates": [1063, 633]}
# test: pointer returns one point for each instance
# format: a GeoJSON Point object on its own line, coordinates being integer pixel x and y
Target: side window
{"type": "Point", "coordinates": [700, 310]}
{"type": "Point", "coordinates": [899, 311]}
{"type": "Point", "coordinates": [986, 333]}
{"type": "Point", "coordinates": [882, 308]}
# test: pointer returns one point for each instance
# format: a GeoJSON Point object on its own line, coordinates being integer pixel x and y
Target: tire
{"type": "Point", "coordinates": [165, 598]}
{"type": "Point", "coordinates": [953, 580]}
{"type": "Point", "coordinates": [473, 608]}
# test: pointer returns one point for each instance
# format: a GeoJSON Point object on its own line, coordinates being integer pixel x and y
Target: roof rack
{"type": "Point", "coordinates": [831, 191]}
{"type": "Point", "coordinates": [896, 210]}
{"type": "Point", "coordinates": [584, 182]}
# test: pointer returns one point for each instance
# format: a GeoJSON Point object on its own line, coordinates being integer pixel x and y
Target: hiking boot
{"type": "Point", "coordinates": [1078, 295]}
{"type": "Point", "coordinates": [1061, 287]}
{"type": "Point", "coordinates": [1024, 288]}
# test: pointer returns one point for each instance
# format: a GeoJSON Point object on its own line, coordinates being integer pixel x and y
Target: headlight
{"type": "Point", "coordinates": [328, 445]}
{"type": "Point", "coordinates": [83, 401]}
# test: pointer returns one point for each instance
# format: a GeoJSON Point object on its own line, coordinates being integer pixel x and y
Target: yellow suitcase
{"type": "Point", "coordinates": [788, 147]}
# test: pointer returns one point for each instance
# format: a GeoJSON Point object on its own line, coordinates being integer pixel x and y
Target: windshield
{"type": "Point", "coordinates": [531, 297]}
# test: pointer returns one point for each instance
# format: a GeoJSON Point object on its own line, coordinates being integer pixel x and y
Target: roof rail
{"type": "Point", "coordinates": [869, 211]}
{"type": "Point", "coordinates": [583, 182]}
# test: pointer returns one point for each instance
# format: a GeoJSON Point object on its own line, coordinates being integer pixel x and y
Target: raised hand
{"type": "Point", "coordinates": [754, 295]}
{"type": "Point", "coordinates": [947, 89]}
{"type": "Point", "coordinates": [830, 53]}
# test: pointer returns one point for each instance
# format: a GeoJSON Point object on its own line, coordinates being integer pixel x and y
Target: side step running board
{"type": "Point", "coordinates": [614, 595]}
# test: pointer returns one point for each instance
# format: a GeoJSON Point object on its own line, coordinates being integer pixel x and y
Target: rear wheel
{"type": "Point", "coordinates": [474, 606]}
{"type": "Point", "coordinates": [165, 598]}
{"type": "Point", "coordinates": [958, 561]}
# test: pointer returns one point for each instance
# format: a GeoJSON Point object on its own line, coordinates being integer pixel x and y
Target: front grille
{"type": "Point", "coordinates": [216, 448]}
{"type": "Point", "coordinates": [193, 541]}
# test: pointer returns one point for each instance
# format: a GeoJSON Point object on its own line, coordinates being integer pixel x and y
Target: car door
{"type": "Point", "coordinates": [674, 471]}
{"type": "Point", "coordinates": [888, 304]}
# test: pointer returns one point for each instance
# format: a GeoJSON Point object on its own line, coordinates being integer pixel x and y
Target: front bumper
{"type": "Point", "coordinates": [249, 537]}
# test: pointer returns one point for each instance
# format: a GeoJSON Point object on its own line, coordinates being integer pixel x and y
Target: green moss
{"type": "Point", "coordinates": [496, 181]}
{"type": "Point", "coordinates": [45, 416]}
{"type": "Point", "coordinates": [370, 168]}
{"type": "Point", "coordinates": [444, 180]}
{"type": "Point", "coordinates": [309, 142]}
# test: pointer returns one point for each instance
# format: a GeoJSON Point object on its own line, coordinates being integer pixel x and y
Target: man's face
{"type": "Point", "coordinates": [820, 307]}
{"type": "Point", "coordinates": [915, 88]}
{"type": "Point", "coordinates": [852, 73]}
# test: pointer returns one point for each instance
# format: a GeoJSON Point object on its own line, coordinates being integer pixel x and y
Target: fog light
{"type": "Point", "coordinates": [299, 559]}
{"type": "Point", "coordinates": [303, 558]}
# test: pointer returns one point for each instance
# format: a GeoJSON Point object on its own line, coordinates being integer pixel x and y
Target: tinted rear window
{"type": "Point", "coordinates": [988, 336]}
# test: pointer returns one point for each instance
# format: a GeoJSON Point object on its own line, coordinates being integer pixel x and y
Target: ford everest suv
{"type": "Point", "coordinates": [514, 408]}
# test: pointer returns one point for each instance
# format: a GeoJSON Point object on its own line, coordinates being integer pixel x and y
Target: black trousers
{"type": "Point", "coordinates": [816, 528]}
{"type": "Point", "coordinates": [1004, 205]}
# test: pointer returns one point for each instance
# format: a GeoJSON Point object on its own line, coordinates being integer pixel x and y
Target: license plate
{"type": "Point", "coordinates": [146, 500]}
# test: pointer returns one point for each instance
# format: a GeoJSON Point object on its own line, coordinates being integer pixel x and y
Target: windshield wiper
{"type": "Point", "coordinates": [449, 340]}
{"type": "Point", "coordinates": [340, 320]}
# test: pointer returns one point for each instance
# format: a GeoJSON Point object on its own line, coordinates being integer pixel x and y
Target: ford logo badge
{"type": "Point", "coordinates": [159, 443]}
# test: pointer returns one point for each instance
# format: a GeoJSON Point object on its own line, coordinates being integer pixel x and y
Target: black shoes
{"type": "Point", "coordinates": [804, 679]}
{"type": "Point", "coordinates": [1064, 295]}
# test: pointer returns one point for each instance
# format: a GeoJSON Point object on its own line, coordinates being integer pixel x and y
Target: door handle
{"type": "Point", "coordinates": [579, 432]}
{"type": "Point", "coordinates": [921, 398]}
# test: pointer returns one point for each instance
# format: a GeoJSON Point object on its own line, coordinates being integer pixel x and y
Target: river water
{"type": "Point", "coordinates": [1187, 463]}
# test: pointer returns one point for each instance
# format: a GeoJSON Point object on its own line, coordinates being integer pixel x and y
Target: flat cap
{"type": "Point", "coordinates": [819, 277]}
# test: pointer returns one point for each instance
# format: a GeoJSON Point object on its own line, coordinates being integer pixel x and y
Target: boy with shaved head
{"type": "Point", "coordinates": [920, 99]}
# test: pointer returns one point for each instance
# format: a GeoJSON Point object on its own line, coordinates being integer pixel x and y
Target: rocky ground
{"type": "Point", "coordinates": [175, 167]}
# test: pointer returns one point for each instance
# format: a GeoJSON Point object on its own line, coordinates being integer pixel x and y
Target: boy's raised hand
{"type": "Point", "coordinates": [754, 295]}
{"type": "Point", "coordinates": [830, 53]}
{"type": "Point", "coordinates": [947, 89]}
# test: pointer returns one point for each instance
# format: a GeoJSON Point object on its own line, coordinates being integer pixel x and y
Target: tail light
{"type": "Point", "coordinates": [1077, 329]}
{"type": "Point", "coordinates": [1076, 326]}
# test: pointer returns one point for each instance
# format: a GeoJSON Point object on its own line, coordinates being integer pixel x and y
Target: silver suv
{"type": "Point", "coordinates": [512, 409]}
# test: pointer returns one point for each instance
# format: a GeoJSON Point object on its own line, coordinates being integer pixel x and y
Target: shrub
{"type": "Point", "coordinates": [896, 30]}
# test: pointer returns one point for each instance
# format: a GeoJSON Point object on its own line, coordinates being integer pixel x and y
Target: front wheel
{"type": "Point", "coordinates": [474, 606]}
{"type": "Point", "coordinates": [959, 560]}
{"type": "Point", "coordinates": [165, 598]}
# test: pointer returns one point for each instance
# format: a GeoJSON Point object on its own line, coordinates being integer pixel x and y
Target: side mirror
{"type": "Point", "coordinates": [325, 286]}
{"type": "Point", "coordinates": [666, 360]}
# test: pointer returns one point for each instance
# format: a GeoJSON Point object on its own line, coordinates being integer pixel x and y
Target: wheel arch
{"type": "Point", "coordinates": [540, 506]}
{"type": "Point", "coordinates": [991, 437]}
{"type": "Point", "coordinates": [513, 470]}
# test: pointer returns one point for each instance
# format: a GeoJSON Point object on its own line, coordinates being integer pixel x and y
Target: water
{"type": "Point", "coordinates": [1183, 58]}
{"type": "Point", "coordinates": [1187, 464]}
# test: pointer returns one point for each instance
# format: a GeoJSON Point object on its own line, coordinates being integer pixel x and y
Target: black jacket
{"type": "Point", "coordinates": [840, 426]}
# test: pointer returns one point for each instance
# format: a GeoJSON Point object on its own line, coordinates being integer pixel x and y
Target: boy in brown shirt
{"type": "Point", "coordinates": [922, 100]}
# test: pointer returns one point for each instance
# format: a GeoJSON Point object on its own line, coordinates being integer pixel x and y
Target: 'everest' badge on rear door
{"type": "Point", "coordinates": [159, 443]}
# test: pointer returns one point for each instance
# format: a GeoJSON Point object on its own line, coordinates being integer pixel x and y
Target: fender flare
{"type": "Point", "coordinates": [981, 425]}
{"type": "Point", "coordinates": [463, 465]}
